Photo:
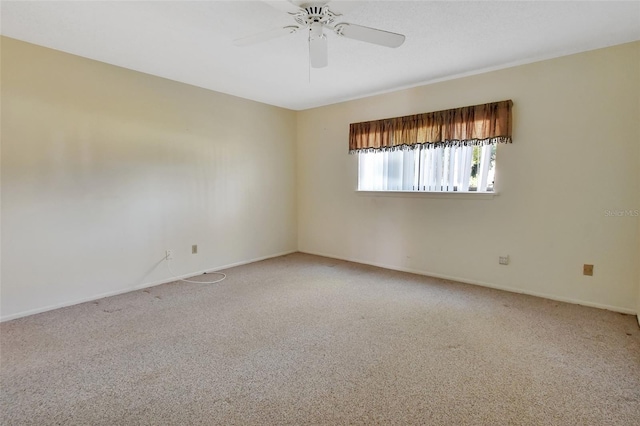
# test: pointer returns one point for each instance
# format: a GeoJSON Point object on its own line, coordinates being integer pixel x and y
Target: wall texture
{"type": "Point", "coordinates": [575, 156]}
{"type": "Point", "coordinates": [104, 168]}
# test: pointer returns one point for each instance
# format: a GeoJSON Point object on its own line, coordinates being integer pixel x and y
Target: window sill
{"type": "Point", "coordinates": [471, 195]}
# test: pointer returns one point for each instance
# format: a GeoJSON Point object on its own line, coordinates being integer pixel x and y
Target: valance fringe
{"type": "Point", "coordinates": [443, 144]}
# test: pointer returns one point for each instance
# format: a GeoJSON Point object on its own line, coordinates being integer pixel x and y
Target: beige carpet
{"type": "Point", "coordinates": [307, 340]}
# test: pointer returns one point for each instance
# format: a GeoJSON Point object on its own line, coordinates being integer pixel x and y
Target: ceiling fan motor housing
{"type": "Point", "coordinates": [314, 15]}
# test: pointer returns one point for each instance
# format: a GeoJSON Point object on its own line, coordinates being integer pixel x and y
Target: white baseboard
{"type": "Point", "coordinates": [364, 262]}
{"type": "Point", "coordinates": [135, 288]}
{"type": "Point", "coordinates": [484, 284]}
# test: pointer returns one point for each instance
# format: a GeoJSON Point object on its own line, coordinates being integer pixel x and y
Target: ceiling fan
{"type": "Point", "coordinates": [316, 17]}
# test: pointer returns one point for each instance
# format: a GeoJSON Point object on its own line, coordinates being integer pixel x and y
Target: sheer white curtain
{"type": "Point", "coordinates": [441, 169]}
{"type": "Point", "coordinates": [387, 171]}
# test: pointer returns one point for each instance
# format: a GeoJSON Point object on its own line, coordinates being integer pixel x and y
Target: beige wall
{"type": "Point", "coordinates": [104, 168]}
{"type": "Point", "coordinates": [575, 155]}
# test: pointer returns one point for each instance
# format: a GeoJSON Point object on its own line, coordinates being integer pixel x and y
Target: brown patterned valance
{"type": "Point", "coordinates": [471, 125]}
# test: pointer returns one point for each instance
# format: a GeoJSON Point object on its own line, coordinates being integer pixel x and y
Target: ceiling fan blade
{"type": "Point", "coordinates": [283, 5]}
{"type": "Point", "coordinates": [370, 35]}
{"type": "Point", "coordinates": [318, 55]}
{"type": "Point", "coordinates": [265, 35]}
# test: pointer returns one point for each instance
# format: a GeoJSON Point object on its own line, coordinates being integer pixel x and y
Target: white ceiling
{"type": "Point", "coordinates": [191, 41]}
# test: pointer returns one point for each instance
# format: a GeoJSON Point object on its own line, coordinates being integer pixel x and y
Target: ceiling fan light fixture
{"type": "Point", "coordinates": [318, 52]}
{"type": "Point", "coordinates": [315, 30]}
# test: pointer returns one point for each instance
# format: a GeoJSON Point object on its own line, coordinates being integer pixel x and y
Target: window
{"type": "Point", "coordinates": [439, 169]}
{"type": "Point", "coordinates": [452, 150]}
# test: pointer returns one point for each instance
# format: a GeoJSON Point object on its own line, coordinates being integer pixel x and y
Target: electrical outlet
{"type": "Point", "coordinates": [194, 249]}
{"type": "Point", "coordinates": [503, 260]}
{"type": "Point", "coordinates": [587, 270]}
{"type": "Point", "coordinates": [168, 254]}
